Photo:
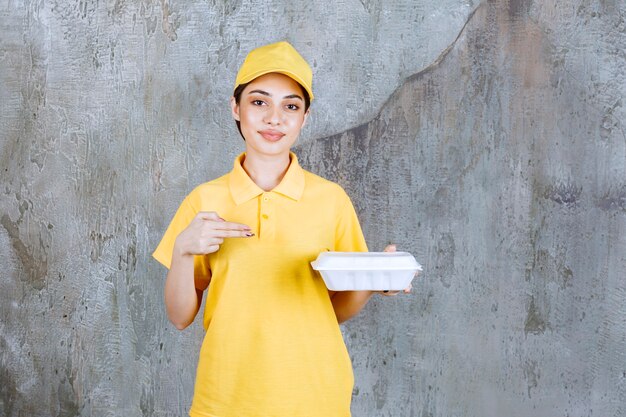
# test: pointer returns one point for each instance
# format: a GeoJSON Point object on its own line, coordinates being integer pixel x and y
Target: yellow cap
{"type": "Point", "coordinates": [278, 57]}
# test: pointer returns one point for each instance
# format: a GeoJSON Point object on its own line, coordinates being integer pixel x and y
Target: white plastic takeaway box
{"type": "Point", "coordinates": [375, 271]}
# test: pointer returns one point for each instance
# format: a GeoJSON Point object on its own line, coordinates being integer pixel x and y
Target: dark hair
{"type": "Point", "coordinates": [241, 87]}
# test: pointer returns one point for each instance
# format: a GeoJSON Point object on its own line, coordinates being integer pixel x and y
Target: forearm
{"type": "Point", "coordinates": [182, 299]}
{"type": "Point", "coordinates": [347, 304]}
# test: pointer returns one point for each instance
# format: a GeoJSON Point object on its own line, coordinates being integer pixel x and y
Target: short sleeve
{"type": "Point", "coordinates": [348, 234]}
{"type": "Point", "coordinates": [163, 253]}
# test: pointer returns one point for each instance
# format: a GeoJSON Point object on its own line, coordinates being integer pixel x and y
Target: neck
{"type": "Point", "coordinates": [266, 172]}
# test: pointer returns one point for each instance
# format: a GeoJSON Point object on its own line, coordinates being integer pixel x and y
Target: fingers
{"type": "Point", "coordinates": [218, 227]}
{"type": "Point", "coordinates": [233, 233]}
{"type": "Point", "coordinates": [407, 290]}
{"type": "Point", "coordinates": [228, 229]}
{"type": "Point", "coordinates": [206, 233]}
{"type": "Point", "coordinates": [224, 225]}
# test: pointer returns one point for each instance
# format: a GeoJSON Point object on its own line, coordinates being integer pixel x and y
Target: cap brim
{"type": "Point", "coordinates": [289, 74]}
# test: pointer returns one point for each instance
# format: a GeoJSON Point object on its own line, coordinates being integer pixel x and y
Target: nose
{"type": "Point", "coordinates": [273, 116]}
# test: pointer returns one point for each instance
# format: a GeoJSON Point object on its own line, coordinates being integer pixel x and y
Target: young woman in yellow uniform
{"type": "Point", "coordinates": [273, 347]}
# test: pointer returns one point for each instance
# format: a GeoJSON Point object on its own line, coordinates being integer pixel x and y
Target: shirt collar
{"type": "Point", "coordinates": [242, 188]}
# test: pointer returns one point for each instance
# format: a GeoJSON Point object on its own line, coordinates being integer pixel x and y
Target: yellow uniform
{"type": "Point", "coordinates": [272, 346]}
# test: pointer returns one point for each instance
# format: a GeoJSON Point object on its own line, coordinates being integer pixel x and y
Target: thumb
{"type": "Point", "coordinates": [390, 248]}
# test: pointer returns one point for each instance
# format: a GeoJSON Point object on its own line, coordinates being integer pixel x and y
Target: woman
{"type": "Point", "coordinates": [272, 346]}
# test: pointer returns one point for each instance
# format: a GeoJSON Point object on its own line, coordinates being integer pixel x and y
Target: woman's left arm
{"type": "Point", "coordinates": [347, 304]}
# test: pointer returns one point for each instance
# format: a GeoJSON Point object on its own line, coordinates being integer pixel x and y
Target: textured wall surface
{"type": "Point", "coordinates": [503, 168]}
{"type": "Point", "coordinates": [487, 139]}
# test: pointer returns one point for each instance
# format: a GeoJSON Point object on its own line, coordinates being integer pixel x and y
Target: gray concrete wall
{"type": "Point", "coordinates": [487, 139]}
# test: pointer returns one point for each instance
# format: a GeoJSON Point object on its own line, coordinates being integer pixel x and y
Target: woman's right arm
{"type": "Point", "coordinates": [183, 295]}
{"type": "Point", "coordinates": [183, 291]}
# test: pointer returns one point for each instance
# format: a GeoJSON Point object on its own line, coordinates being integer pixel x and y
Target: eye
{"type": "Point", "coordinates": [293, 107]}
{"type": "Point", "coordinates": [258, 102]}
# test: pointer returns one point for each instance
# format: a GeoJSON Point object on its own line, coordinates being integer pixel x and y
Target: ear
{"type": "Point", "coordinates": [234, 107]}
{"type": "Point", "coordinates": [306, 117]}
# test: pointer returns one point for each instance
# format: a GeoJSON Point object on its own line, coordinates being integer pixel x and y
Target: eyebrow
{"type": "Point", "coordinates": [265, 93]}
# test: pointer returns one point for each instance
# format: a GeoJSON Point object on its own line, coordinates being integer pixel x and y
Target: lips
{"type": "Point", "coordinates": [272, 135]}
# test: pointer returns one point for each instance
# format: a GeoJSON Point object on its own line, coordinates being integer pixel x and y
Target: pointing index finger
{"type": "Point", "coordinates": [232, 226]}
{"type": "Point", "coordinates": [234, 233]}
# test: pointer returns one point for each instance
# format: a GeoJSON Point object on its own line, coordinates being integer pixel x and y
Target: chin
{"type": "Point", "coordinates": [270, 148]}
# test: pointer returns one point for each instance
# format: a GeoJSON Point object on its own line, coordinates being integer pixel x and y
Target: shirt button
{"type": "Point", "coordinates": [266, 199]}
{"type": "Point", "coordinates": [265, 216]}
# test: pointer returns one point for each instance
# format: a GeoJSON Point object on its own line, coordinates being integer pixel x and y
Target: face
{"type": "Point", "coordinates": [271, 114]}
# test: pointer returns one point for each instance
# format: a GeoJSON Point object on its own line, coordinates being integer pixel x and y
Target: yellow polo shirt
{"type": "Point", "coordinates": [272, 346]}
